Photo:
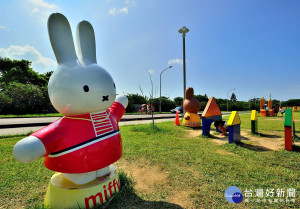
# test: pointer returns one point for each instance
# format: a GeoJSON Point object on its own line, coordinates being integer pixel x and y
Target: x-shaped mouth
{"type": "Point", "coordinates": [105, 98]}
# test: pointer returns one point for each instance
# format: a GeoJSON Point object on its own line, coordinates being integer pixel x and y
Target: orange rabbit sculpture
{"type": "Point", "coordinates": [191, 106]}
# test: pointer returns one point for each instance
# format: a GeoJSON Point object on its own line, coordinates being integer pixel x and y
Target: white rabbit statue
{"type": "Point", "coordinates": [86, 141]}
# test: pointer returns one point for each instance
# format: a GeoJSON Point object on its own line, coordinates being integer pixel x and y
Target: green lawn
{"type": "Point", "coordinates": [196, 165]}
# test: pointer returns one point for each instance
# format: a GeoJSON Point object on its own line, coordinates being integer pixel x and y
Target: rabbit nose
{"type": "Point", "coordinates": [105, 98]}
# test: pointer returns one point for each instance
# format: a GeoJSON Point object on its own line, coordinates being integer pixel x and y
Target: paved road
{"type": "Point", "coordinates": [9, 126]}
{"type": "Point", "coordinates": [25, 130]}
{"type": "Point", "coordinates": [41, 121]}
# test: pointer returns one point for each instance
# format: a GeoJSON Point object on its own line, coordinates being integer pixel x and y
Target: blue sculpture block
{"type": "Point", "coordinates": [234, 133]}
{"type": "Point", "coordinates": [206, 123]}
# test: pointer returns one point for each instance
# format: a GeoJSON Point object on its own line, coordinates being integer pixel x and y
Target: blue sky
{"type": "Point", "coordinates": [250, 45]}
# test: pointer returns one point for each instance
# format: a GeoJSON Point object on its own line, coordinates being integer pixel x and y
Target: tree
{"type": "Point", "coordinates": [20, 71]}
{"type": "Point", "coordinates": [292, 102]}
{"type": "Point", "coordinates": [134, 99]}
{"type": "Point", "coordinates": [166, 104]}
{"type": "Point", "coordinates": [22, 90]}
{"type": "Point", "coordinates": [201, 98]}
{"type": "Point", "coordinates": [233, 97]}
{"type": "Point", "coordinates": [18, 98]}
{"type": "Point", "coordinates": [178, 101]}
{"type": "Point", "coordinates": [151, 98]}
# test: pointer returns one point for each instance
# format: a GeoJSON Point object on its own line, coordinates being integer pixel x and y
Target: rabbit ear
{"type": "Point", "coordinates": [61, 39]}
{"type": "Point", "coordinates": [189, 93]}
{"type": "Point", "coordinates": [86, 44]}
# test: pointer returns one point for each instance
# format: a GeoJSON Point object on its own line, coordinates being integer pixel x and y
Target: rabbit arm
{"type": "Point", "coordinates": [119, 106]}
{"type": "Point", "coordinates": [122, 100]}
{"type": "Point", "coordinates": [29, 149]}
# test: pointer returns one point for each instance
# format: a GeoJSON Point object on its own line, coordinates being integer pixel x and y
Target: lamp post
{"type": "Point", "coordinates": [183, 31]}
{"type": "Point", "coordinates": [227, 96]}
{"type": "Point", "coordinates": [249, 101]}
{"type": "Point", "coordinates": [160, 87]}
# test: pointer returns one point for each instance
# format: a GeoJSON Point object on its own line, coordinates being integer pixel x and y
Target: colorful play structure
{"type": "Point", "coordinates": [263, 111]}
{"type": "Point", "coordinates": [289, 128]}
{"type": "Point", "coordinates": [288, 132]}
{"type": "Point", "coordinates": [210, 114]}
{"type": "Point", "coordinates": [191, 105]}
{"type": "Point", "coordinates": [254, 122]}
{"type": "Point", "coordinates": [83, 145]}
{"type": "Point", "coordinates": [234, 128]}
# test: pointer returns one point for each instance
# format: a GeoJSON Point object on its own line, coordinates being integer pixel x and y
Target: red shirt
{"type": "Point", "coordinates": [83, 143]}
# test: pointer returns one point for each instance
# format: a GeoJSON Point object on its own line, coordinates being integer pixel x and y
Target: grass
{"type": "Point", "coordinates": [195, 165]}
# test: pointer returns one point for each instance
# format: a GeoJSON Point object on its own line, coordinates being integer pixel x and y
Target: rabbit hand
{"type": "Point", "coordinates": [29, 149]}
{"type": "Point", "coordinates": [122, 100]}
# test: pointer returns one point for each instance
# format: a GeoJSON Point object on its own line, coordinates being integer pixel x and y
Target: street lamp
{"type": "Point", "coordinates": [183, 31]}
{"type": "Point", "coordinates": [249, 101]}
{"type": "Point", "coordinates": [160, 87]}
{"type": "Point", "coordinates": [227, 96]}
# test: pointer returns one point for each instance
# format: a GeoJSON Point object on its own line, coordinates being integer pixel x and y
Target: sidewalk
{"type": "Point", "coordinates": [44, 121]}
{"type": "Point", "coordinates": [11, 126]}
{"type": "Point", "coordinates": [25, 130]}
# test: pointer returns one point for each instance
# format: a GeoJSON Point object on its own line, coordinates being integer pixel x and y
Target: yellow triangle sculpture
{"type": "Point", "coordinates": [211, 109]}
{"type": "Point", "coordinates": [253, 115]}
{"type": "Point", "coordinates": [234, 119]}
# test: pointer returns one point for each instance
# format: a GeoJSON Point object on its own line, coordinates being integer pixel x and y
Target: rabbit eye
{"type": "Point", "coordinates": [86, 88]}
{"type": "Point", "coordinates": [115, 85]}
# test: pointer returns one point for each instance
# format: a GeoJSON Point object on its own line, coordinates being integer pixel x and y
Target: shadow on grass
{"type": "Point", "coordinates": [253, 147]}
{"type": "Point", "coordinates": [196, 128]}
{"type": "Point", "coordinates": [295, 148]}
{"type": "Point", "coordinates": [127, 198]}
{"type": "Point", "coordinates": [267, 135]}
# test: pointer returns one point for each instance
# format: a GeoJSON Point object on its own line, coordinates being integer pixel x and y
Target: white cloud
{"type": "Point", "coordinates": [41, 8]}
{"type": "Point", "coordinates": [35, 10]}
{"type": "Point", "coordinates": [130, 2]}
{"type": "Point", "coordinates": [40, 63]}
{"type": "Point", "coordinates": [43, 4]}
{"type": "Point", "coordinates": [4, 28]}
{"type": "Point", "coordinates": [114, 11]}
{"type": "Point", "coordinates": [175, 61]}
{"type": "Point", "coordinates": [150, 71]}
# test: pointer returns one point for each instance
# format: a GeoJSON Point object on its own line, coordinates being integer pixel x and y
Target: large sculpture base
{"type": "Point", "coordinates": [194, 120]}
{"type": "Point", "coordinates": [63, 193]}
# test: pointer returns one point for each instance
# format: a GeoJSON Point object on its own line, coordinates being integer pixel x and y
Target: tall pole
{"type": "Point", "coordinates": [227, 97]}
{"type": "Point", "coordinates": [249, 102]}
{"type": "Point", "coordinates": [184, 74]}
{"type": "Point", "coordinates": [183, 31]}
{"type": "Point", "coordinates": [160, 87]}
{"type": "Point", "coordinates": [160, 93]}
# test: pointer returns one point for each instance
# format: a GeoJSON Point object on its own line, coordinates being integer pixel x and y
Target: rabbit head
{"type": "Point", "coordinates": [191, 104]}
{"type": "Point", "coordinates": [79, 85]}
